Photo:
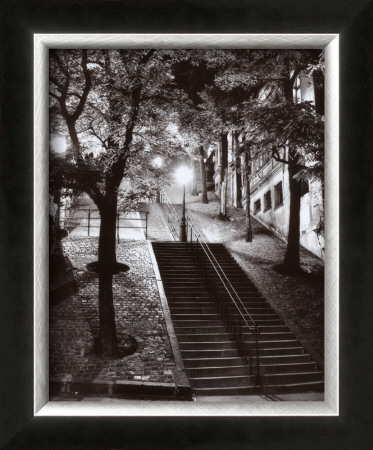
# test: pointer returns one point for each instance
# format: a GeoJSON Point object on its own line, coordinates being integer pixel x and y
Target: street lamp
{"type": "Point", "coordinates": [158, 162]}
{"type": "Point", "coordinates": [182, 176]}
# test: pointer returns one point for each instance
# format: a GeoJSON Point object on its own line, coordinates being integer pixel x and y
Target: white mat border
{"type": "Point", "coordinates": [114, 407]}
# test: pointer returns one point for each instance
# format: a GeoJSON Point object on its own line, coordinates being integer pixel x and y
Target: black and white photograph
{"type": "Point", "coordinates": [186, 224]}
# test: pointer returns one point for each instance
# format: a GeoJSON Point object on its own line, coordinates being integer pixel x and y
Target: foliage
{"type": "Point", "coordinates": [292, 126]}
{"type": "Point", "coordinates": [116, 107]}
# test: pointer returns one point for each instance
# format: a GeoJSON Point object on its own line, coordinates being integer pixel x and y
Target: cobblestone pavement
{"type": "Point", "coordinates": [74, 319]}
{"type": "Point", "coordinates": [299, 299]}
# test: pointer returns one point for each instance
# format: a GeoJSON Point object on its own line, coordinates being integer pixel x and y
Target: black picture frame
{"type": "Point", "coordinates": [19, 21]}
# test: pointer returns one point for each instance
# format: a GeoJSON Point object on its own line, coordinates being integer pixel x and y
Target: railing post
{"type": "Point", "coordinates": [183, 222]}
{"type": "Point", "coordinates": [118, 228]}
{"type": "Point", "coordinates": [146, 224]}
{"type": "Point", "coordinates": [89, 220]}
{"type": "Point", "coordinates": [256, 333]}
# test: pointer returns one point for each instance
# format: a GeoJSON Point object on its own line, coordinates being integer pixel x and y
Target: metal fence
{"type": "Point", "coordinates": [173, 219]}
{"type": "Point", "coordinates": [90, 220]}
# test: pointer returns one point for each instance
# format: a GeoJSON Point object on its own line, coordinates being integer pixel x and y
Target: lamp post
{"type": "Point", "coordinates": [157, 164]}
{"type": "Point", "coordinates": [183, 175]}
{"type": "Point", "coordinates": [183, 232]}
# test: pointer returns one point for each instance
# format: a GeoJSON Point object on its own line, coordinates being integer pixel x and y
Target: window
{"type": "Point", "coordinates": [278, 194]}
{"type": "Point", "coordinates": [267, 201]}
{"type": "Point", "coordinates": [296, 91]}
{"type": "Point", "coordinates": [304, 187]}
{"type": "Point", "coordinates": [257, 206]}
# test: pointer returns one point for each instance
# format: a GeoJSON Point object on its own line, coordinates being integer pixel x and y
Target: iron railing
{"type": "Point", "coordinates": [90, 218]}
{"type": "Point", "coordinates": [173, 220]}
{"type": "Point", "coordinates": [231, 307]}
{"type": "Point", "coordinates": [171, 216]}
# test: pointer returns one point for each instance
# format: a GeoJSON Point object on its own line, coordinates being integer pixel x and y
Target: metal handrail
{"type": "Point", "coordinates": [194, 225]}
{"type": "Point", "coordinates": [119, 217]}
{"type": "Point", "coordinates": [238, 303]}
{"type": "Point", "coordinates": [171, 216]}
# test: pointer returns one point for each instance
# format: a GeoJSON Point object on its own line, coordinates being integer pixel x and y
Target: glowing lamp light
{"type": "Point", "coordinates": [183, 175]}
{"type": "Point", "coordinates": [158, 162]}
{"type": "Point", "coordinates": [58, 144]}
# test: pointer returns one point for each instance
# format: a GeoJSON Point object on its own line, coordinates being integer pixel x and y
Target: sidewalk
{"type": "Point", "coordinates": [299, 300]}
{"type": "Point", "coordinates": [74, 368]}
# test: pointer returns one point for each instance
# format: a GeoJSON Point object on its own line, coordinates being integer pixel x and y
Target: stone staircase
{"type": "Point", "coordinates": [212, 360]}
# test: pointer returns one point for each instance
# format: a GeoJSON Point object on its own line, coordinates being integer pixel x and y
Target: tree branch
{"type": "Point", "coordinates": [55, 96]}
{"type": "Point", "coordinates": [54, 81]}
{"type": "Point", "coordinates": [277, 157]}
{"type": "Point", "coordinates": [90, 127]}
{"type": "Point", "coordinates": [87, 87]}
{"type": "Point", "coordinates": [155, 97]}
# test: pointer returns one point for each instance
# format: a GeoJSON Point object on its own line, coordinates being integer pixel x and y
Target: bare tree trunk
{"type": "Point", "coordinates": [203, 175]}
{"type": "Point", "coordinates": [107, 340]}
{"type": "Point", "coordinates": [249, 230]}
{"type": "Point", "coordinates": [223, 199]}
{"type": "Point", "coordinates": [223, 176]}
{"type": "Point", "coordinates": [291, 264]}
{"type": "Point", "coordinates": [237, 179]}
{"type": "Point", "coordinates": [193, 189]}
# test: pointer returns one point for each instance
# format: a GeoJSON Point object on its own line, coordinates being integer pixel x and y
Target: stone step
{"type": "Point", "coordinates": [276, 351]}
{"type": "Point", "coordinates": [284, 359]}
{"type": "Point", "coordinates": [268, 317]}
{"type": "Point", "coordinates": [213, 362]}
{"type": "Point", "coordinates": [271, 328]}
{"type": "Point", "coordinates": [219, 371]}
{"type": "Point", "coordinates": [195, 281]}
{"type": "Point", "coordinates": [180, 259]}
{"type": "Point", "coordinates": [219, 323]}
{"type": "Point", "coordinates": [270, 336]}
{"type": "Point", "coordinates": [206, 345]}
{"type": "Point", "coordinates": [212, 353]}
{"type": "Point", "coordinates": [249, 345]}
{"type": "Point", "coordinates": [197, 323]}
{"type": "Point", "coordinates": [227, 391]}
{"type": "Point", "coordinates": [221, 381]}
{"type": "Point", "coordinates": [271, 379]}
{"type": "Point", "coordinates": [289, 388]}
{"type": "Point", "coordinates": [199, 297]}
{"type": "Point", "coordinates": [205, 337]}
{"type": "Point", "coordinates": [194, 316]}
{"type": "Point", "coordinates": [249, 339]}
{"type": "Point", "coordinates": [302, 367]}
{"type": "Point", "coordinates": [191, 303]}
{"type": "Point", "coordinates": [200, 329]}
{"type": "Point", "coordinates": [267, 322]}
{"type": "Point", "coordinates": [203, 301]}
{"type": "Point", "coordinates": [196, 309]}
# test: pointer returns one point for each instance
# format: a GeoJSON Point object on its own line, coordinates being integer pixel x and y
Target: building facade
{"type": "Point", "coordinates": [269, 183]}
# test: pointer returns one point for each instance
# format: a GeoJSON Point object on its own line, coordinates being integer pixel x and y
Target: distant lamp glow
{"type": "Point", "coordinates": [58, 144]}
{"type": "Point", "coordinates": [158, 162]}
{"type": "Point", "coordinates": [182, 176]}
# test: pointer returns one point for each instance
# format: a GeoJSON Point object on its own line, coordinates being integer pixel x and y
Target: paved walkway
{"type": "Point", "coordinates": [138, 309]}
{"type": "Point", "coordinates": [157, 226]}
{"type": "Point", "coordinates": [299, 300]}
{"type": "Point", "coordinates": [134, 223]}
